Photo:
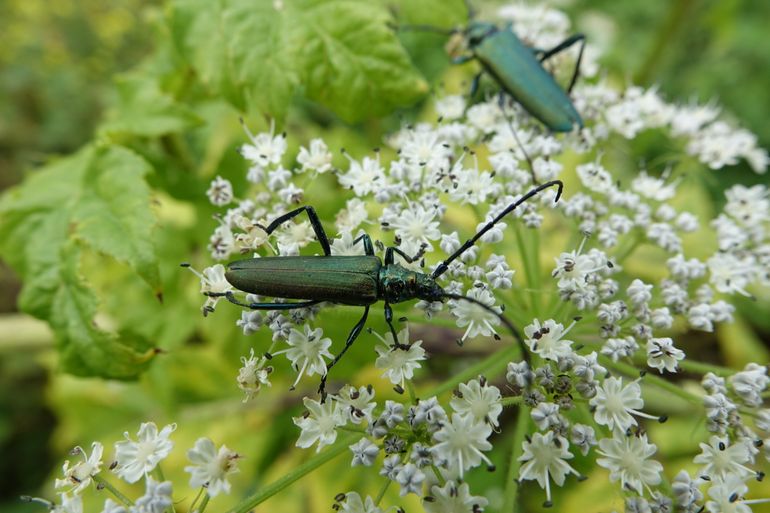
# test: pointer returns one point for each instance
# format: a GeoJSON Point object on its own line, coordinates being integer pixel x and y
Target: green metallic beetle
{"type": "Point", "coordinates": [518, 70]}
{"type": "Point", "coordinates": [351, 280]}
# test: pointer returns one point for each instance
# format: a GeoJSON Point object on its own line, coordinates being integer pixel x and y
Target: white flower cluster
{"type": "Point", "coordinates": [627, 281]}
{"type": "Point", "coordinates": [424, 450]}
{"type": "Point", "coordinates": [139, 459]}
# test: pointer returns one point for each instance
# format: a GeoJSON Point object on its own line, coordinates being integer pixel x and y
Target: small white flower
{"type": "Point", "coordinates": [615, 403]}
{"type": "Point", "coordinates": [211, 466]}
{"type": "Point", "coordinates": [399, 360]}
{"type": "Point", "coordinates": [253, 374]}
{"type": "Point", "coordinates": [364, 177]}
{"type": "Point", "coordinates": [417, 224]}
{"type": "Point", "coordinates": [661, 354]}
{"type": "Point", "coordinates": [483, 116]}
{"type": "Point", "coordinates": [750, 383]}
{"type": "Point", "coordinates": [573, 269]}
{"type": "Point", "coordinates": [451, 107]}
{"type": "Point", "coordinates": [354, 504]}
{"type": "Point", "coordinates": [546, 339]}
{"type": "Point", "coordinates": [727, 496]}
{"type": "Point", "coordinates": [69, 504]}
{"type": "Point", "coordinates": [626, 457]}
{"type": "Point", "coordinates": [80, 475]}
{"type": "Point", "coordinates": [686, 490]}
{"type": "Point", "coordinates": [110, 506]}
{"type": "Point", "coordinates": [480, 401]}
{"type": "Point", "coordinates": [307, 352]}
{"type": "Point", "coordinates": [212, 280]}
{"type": "Point", "coordinates": [319, 425]}
{"type": "Point", "coordinates": [543, 458]}
{"type": "Point", "coordinates": [220, 192]}
{"type": "Point", "coordinates": [294, 236]}
{"type": "Point", "coordinates": [459, 443]}
{"type": "Point", "coordinates": [364, 452]}
{"type": "Point", "coordinates": [157, 497]}
{"type": "Point", "coordinates": [583, 437]}
{"type": "Point", "coordinates": [135, 459]}
{"type": "Point", "coordinates": [346, 246]}
{"type": "Point", "coordinates": [730, 274]}
{"type": "Point", "coordinates": [653, 188]}
{"type": "Point", "coordinates": [519, 374]}
{"type": "Point", "coordinates": [425, 149]}
{"type": "Point", "coordinates": [356, 403]}
{"type": "Point", "coordinates": [316, 158]}
{"type": "Point", "coordinates": [639, 292]}
{"type": "Point", "coordinates": [478, 320]}
{"type": "Point", "coordinates": [452, 498]}
{"type": "Point", "coordinates": [719, 459]}
{"type": "Point", "coordinates": [410, 478]}
{"type": "Point", "coordinates": [595, 178]}
{"type": "Point", "coordinates": [349, 218]}
{"type": "Point", "coordinates": [265, 148]}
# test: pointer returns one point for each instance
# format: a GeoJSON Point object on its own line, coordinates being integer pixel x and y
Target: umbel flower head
{"type": "Point", "coordinates": [571, 276]}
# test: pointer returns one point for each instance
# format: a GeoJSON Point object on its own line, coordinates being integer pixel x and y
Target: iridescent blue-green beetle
{"type": "Point", "coordinates": [352, 280]}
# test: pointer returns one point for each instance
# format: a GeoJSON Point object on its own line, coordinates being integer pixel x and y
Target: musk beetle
{"type": "Point", "coordinates": [352, 280]}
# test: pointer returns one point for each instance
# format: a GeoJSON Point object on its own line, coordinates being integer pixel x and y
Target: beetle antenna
{"type": "Point", "coordinates": [508, 324]}
{"type": "Point", "coordinates": [444, 266]}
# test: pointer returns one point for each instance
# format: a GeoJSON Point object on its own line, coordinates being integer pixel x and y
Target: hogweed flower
{"type": "Point", "coordinates": [441, 182]}
{"type": "Point", "coordinates": [78, 476]}
{"type": "Point", "coordinates": [137, 458]}
{"type": "Point", "coordinates": [210, 467]}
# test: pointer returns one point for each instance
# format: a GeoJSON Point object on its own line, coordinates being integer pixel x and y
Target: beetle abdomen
{"type": "Point", "coordinates": [350, 280]}
{"type": "Point", "coordinates": [522, 75]}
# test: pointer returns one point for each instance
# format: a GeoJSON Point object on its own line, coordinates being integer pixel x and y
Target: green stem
{"type": "Point", "coordinates": [677, 16]}
{"type": "Point", "coordinates": [703, 368]}
{"type": "Point", "coordinates": [194, 503]}
{"type": "Point", "coordinates": [510, 401]}
{"type": "Point", "coordinates": [158, 473]}
{"type": "Point", "coordinates": [204, 503]}
{"type": "Point", "coordinates": [382, 491]}
{"type": "Point", "coordinates": [410, 389]}
{"type": "Point", "coordinates": [628, 248]}
{"type": "Point", "coordinates": [103, 483]}
{"type": "Point", "coordinates": [511, 482]}
{"type": "Point", "coordinates": [489, 367]}
{"type": "Point", "coordinates": [630, 370]}
{"type": "Point", "coordinates": [340, 447]}
{"type": "Point", "coordinates": [528, 272]}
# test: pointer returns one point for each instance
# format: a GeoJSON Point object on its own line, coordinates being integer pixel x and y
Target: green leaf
{"type": "Point", "coordinates": [352, 60]}
{"type": "Point", "coordinates": [143, 109]}
{"type": "Point", "coordinates": [342, 53]}
{"type": "Point", "coordinates": [96, 198]}
{"type": "Point", "coordinates": [438, 13]}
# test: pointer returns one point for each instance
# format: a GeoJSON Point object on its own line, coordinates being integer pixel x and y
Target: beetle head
{"type": "Point", "coordinates": [426, 288]}
{"type": "Point", "coordinates": [477, 31]}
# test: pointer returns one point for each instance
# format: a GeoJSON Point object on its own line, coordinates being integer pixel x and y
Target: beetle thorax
{"type": "Point", "coordinates": [477, 31]}
{"type": "Point", "coordinates": [399, 284]}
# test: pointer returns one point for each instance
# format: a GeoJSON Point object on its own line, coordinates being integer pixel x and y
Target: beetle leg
{"type": "Point", "coordinates": [390, 259]}
{"type": "Point", "coordinates": [563, 46]}
{"type": "Point", "coordinates": [462, 59]}
{"type": "Point", "coordinates": [262, 306]}
{"type": "Point", "coordinates": [314, 222]}
{"type": "Point", "coordinates": [349, 342]}
{"type": "Point", "coordinates": [501, 102]}
{"type": "Point", "coordinates": [389, 320]}
{"type": "Point", "coordinates": [368, 247]}
{"type": "Point", "coordinates": [475, 83]}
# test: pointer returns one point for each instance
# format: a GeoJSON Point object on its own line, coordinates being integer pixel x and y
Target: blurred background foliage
{"type": "Point", "coordinates": [72, 71]}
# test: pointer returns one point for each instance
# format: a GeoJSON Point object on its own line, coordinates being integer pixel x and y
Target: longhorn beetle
{"type": "Point", "coordinates": [518, 70]}
{"type": "Point", "coordinates": [352, 280]}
